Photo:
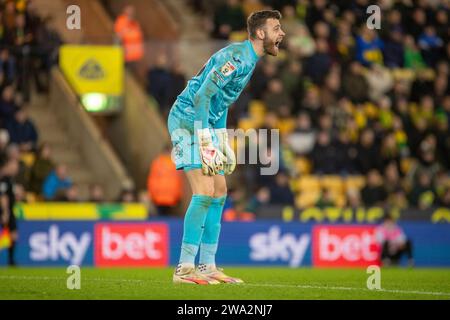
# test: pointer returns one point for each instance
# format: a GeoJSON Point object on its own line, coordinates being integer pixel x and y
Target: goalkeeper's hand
{"type": "Point", "coordinates": [212, 159]}
{"type": "Point", "coordinates": [225, 148]}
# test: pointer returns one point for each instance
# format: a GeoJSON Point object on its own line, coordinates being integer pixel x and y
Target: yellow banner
{"type": "Point", "coordinates": [80, 211]}
{"type": "Point", "coordinates": [91, 69]}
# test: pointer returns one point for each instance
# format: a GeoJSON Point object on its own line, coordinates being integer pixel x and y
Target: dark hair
{"type": "Point", "coordinates": [258, 19]}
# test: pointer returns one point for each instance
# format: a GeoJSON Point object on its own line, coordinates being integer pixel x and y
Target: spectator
{"type": "Point", "coordinates": [178, 82]}
{"type": "Point", "coordinates": [413, 58]}
{"type": "Point", "coordinates": [354, 83]}
{"type": "Point", "coordinates": [277, 99]}
{"type": "Point", "coordinates": [164, 183]}
{"type": "Point", "coordinates": [394, 243]}
{"type": "Point", "coordinates": [42, 167]}
{"type": "Point", "coordinates": [389, 151]}
{"type": "Point", "coordinates": [291, 78]}
{"type": "Point", "coordinates": [373, 194]}
{"type": "Point", "coordinates": [4, 141]}
{"type": "Point", "coordinates": [444, 200]}
{"type": "Point", "coordinates": [8, 70]}
{"type": "Point", "coordinates": [325, 200]}
{"type": "Point", "coordinates": [300, 43]}
{"type": "Point", "coordinates": [318, 65]}
{"type": "Point", "coordinates": [303, 138]}
{"type": "Point", "coordinates": [55, 182]}
{"type": "Point", "coordinates": [127, 196]}
{"type": "Point", "coordinates": [368, 152]}
{"type": "Point", "coordinates": [129, 32]}
{"type": "Point", "coordinates": [423, 195]}
{"type": "Point", "coordinates": [22, 131]}
{"type": "Point", "coordinates": [228, 18]}
{"type": "Point", "coordinates": [8, 107]}
{"type": "Point", "coordinates": [353, 198]}
{"type": "Point", "coordinates": [96, 194]}
{"type": "Point", "coordinates": [369, 47]}
{"type": "Point", "coordinates": [379, 81]}
{"type": "Point", "coordinates": [280, 192]}
{"type": "Point", "coordinates": [22, 176]}
{"type": "Point", "coordinates": [430, 44]}
{"type": "Point", "coordinates": [260, 199]}
{"type": "Point", "coordinates": [324, 154]}
{"type": "Point", "coordinates": [393, 50]}
{"type": "Point", "coordinates": [392, 181]}
{"type": "Point", "coordinates": [159, 81]}
{"type": "Point", "coordinates": [345, 160]}
{"type": "Point", "coordinates": [70, 194]}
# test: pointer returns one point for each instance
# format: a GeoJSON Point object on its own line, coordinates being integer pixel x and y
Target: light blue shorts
{"type": "Point", "coordinates": [185, 152]}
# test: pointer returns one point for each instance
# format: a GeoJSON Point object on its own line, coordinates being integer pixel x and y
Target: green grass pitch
{"type": "Point", "coordinates": [261, 283]}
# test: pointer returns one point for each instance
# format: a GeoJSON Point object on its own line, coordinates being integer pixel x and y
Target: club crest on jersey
{"type": "Point", "coordinates": [227, 69]}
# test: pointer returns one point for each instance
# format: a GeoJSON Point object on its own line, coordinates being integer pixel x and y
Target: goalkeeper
{"type": "Point", "coordinates": [197, 124]}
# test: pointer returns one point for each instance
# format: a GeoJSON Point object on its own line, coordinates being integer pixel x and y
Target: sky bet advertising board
{"type": "Point", "coordinates": [265, 243]}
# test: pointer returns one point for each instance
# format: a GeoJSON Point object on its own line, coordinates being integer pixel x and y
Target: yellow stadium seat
{"type": "Point", "coordinates": [237, 36]}
{"type": "Point", "coordinates": [286, 125]}
{"type": "Point", "coordinates": [307, 199]}
{"type": "Point", "coordinates": [28, 158]}
{"type": "Point", "coordinates": [355, 182]}
{"type": "Point", "coordinates": [406, 164]}
{"type": "Point", "coordinates": [309, 183]}
{"type": "Point", "coordinates": [303, 165]}
{"type": "Point", "coordinates": [246, 123]}
{"type": "Point", "coordinates": [257, 111]}
{"type": "Point", "coordinates": [332, 182]}
{"type": "Point", "coordinates": [339, 199]}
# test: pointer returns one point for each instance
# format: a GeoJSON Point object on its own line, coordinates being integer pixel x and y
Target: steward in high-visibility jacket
{"type": "Point", "coordinates": [164, 182]}
{"type": "Point", "coordinates": [130, 33]}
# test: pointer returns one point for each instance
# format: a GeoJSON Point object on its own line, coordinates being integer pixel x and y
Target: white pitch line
{"type": "Point", "coordinates": [347, 289]}
{"type": "Point", "coordinates": [274, 285]}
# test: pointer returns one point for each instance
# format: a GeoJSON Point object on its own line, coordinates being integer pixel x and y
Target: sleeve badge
{"type": "Point", "coordinates": [227, 69]}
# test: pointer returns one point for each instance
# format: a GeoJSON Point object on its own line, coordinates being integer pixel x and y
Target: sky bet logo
{"type": "Point", "coordinates": [131, 244]}
{"type": "Point", "coordinates": [54, 245]}
{"type": "Point", "coordinates": [274, 246]}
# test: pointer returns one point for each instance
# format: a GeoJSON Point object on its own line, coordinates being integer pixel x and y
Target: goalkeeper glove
{"type": "Point", "coordinates": [225, 148]}
{"type": "Point", "coordinates": [212, 159]}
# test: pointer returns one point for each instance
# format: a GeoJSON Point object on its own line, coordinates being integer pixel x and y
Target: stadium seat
{"type": "Point", "coordinates": [28, 158]}
{"type": "Point", "coordinates": [246, 123]}
{"type": "Point", "coordinates": [303, 165]}
{"type": "Point", "coordinates": [406, 164]}
{"type": "Point", "coordinates": [237, 36]}
{"type": "Point", "coordinates": [309, 183]}
{"type": "Point", "coordinates": [333, 182]}
{"type": "Point", "coordinates": [257, 110]}
{"type": "Point", "coordinates": [307, 199]}
{"type": "Point", "coordinates": [286, 125]}
{"type": "Point", "coordinates": [355, 182]}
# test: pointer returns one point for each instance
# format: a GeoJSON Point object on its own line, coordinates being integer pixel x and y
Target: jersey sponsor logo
{"type": "Point", "coordinates": [227, 69]}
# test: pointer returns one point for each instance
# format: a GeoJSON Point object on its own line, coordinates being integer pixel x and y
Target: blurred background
{"type": "Point", "coordinates": [363, 114]}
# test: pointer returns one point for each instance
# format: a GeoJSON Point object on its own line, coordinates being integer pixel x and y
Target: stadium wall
{"type": "Point", "coordinates": [262, 243]}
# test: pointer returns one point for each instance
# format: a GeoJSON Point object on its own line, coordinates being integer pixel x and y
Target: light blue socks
{"type": "Point", "coordinates": [211, 233]}
{"type": "Point", "coordinates": [194, 225]}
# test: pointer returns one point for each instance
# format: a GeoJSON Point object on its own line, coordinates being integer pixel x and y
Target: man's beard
{"type": "Point", "coordinates": [269, 47]}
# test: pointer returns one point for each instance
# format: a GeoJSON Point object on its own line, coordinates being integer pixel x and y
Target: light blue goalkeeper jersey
{"type": "Point", "coordinates": [209, 94]}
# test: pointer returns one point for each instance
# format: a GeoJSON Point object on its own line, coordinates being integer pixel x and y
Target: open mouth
{"type": "Point", "coordinates": [277, 43]}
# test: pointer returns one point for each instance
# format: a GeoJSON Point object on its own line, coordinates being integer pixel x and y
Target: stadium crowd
{"type": "Point", "coordinates": [28, 49]}
{"type": "Point", "coordinates": [363, 114]}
